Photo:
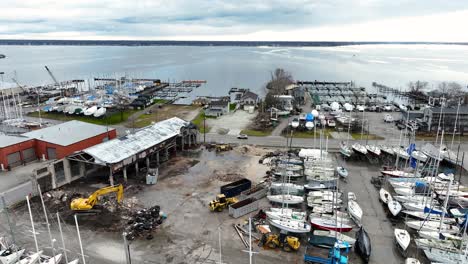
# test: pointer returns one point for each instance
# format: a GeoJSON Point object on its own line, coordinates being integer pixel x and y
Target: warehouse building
{"type": "Point", "coordinates": [59, 141]}
{"type": "Point", "coordinates": [15, 151]}
{"type": "Point", "coordinates": [447, 117]}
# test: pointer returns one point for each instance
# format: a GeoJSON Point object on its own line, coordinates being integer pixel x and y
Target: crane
{"type": "Point", "coordinates": [84, 204]}
{"type": "Point", "coordinates": [52, 75]}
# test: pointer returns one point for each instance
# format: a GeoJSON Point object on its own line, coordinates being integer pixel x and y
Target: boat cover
{"type": "Point", "coordinates": [363, 243]}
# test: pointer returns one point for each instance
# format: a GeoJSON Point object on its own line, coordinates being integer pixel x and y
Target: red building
{"type": "Point", "coordinates": [61, 140]}
{"type": "Point", "coordinates": [15, 151]}
{"type": "Point", "coordinates": [53, 142]}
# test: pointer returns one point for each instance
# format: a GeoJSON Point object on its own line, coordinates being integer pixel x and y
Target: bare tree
{"type": "Point", "coordinates": [280, 79]}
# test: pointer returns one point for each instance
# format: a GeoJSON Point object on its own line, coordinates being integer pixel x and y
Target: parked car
{"type": "Point", "coordinates": [242, 136]}
{"type": "Point", "coordinates": [388, 118]}
{"type": "Point", "coordinates": [361, 108]}
{"type": "Point", "coordinates": [388, 108]}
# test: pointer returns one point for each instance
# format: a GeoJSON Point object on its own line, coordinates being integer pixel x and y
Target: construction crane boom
{"type": "Point", "coordinates": [52, 75]}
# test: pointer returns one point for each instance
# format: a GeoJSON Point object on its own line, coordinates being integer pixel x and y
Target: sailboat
{"type": "Point", "coordinates": [90, 111]}
{"type": "Point", "coordinates": [363, 244]}
{"type": "Point", "coordinates": [32, 259]}
{"type": "Point", "coordinates": [334, 234]}
{"type": "Point", "coordinates": [342, 172]}
{"type": "Point", "coordinates": [428, 216]}
{"type": "Point", "coordinates": [355, 211]}
{"type": "Point", "coordinates": [330, 224]}
{"type": "Point", "coordinates": [402, 238]}
{"type": "Point", "coordinates": [394, 207]}
{"type": "Point", "coordinates": [384, 196]}
{"type": "Point", "coordinates": [401, 152]}
{"type": "Point", "coordinates": [373, 150]}
{"type": "Point", "coordinates": [357, 147]}
{"type": "Point", "coordinates": [447, 245]}
{"type": "Point", "coordinates": [344, 147]}
{"type": "Point", "coordinates": [386, 149]}
{"type": "Point", "coordinates": [412, 261]}
{"type": "Point", "coordinates": [442, 256]}
{"type": "Point", "coordinates": [8, 256]}
{"type": "Point", "coordinates": [432, 226]}
{"type": "Point", "coordinates": [291, 225]}
{"type": "Point", "coordinates": [286, 199]}
{"type": "Point", "coordinates": [286, 213]}
{"type": "Point", "coordinates": [419, 155]}
{"type": "Point", "coordinates": [101, 111]}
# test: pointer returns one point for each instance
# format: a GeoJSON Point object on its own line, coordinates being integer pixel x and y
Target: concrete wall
{"type": "Point", "coordinates": [14, 148]}
{"type": "Point", "coordinates": [17, 194]}
{"type": "Point", "coordinates": [63, 151]}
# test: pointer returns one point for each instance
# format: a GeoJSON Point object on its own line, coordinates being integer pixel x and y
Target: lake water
{"type": "Point", "coordinates": [249, 67]}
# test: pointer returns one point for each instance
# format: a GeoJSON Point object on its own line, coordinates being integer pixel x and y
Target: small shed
{"type": "Point", "coordinates": [243, 207]}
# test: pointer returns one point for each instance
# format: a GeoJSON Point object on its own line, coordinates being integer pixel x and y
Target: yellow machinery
{"type": "Point", "coordinates": [287, 243]}
{"type": "Point", "coordinates": [223, 147]}
{"type": "Point", "coordinates": [83, 204]}
{"type": "Point", "coordinates": [221, 202]}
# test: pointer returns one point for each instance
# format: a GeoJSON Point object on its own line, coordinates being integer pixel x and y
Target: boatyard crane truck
{"type": "Point", "coordinates": [87, 204]}
{"type": "Point", "coordinates": [221, 202]}
{"type": "Point", "coordinates": [287, 243]}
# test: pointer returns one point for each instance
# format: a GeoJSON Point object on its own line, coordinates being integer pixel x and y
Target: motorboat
{"type": "Point", "coordinates": [394, 207]}
{"type": "Point", "coordinates": [309, 125]}
{"type": "Point", "coordinates": [355, 211]}
{"type": "Point", "coordinates": [419, 155]}
{"type": "Point", "coordinates": [402, 238]}
{"type": "Point", "coordinates": [424, 206]}
{"type": "Point", "coordinates": [288, 174]}
{"type": "Point", "coordinates": [345, 219]}
{"type": "Point", "coordinates": [352, 196]}
{"type": "Point", "coordinates": [320, 186]}
{"type": "Point", "coordinates": [373, 150]}
{"type": "Point", "coordinates": [386, 149]}
{"type": "Point", "coordinates": [384, 196]}
{"type": "Point", "coordinates": [286, 199]}
{"type": "Point", "coordinates": [291, 225]}
{"type": "Point", "coordinates": [329, 224]}
{"type": "Point", "coordinates": [442, 256]}
{"type": "Point", "coordinates": [363, 244]}
{"type": "Point", "coordinates": [359, 148]}
{"type": "Point", "coordinates": [342, 172]}
{"type": "Point", "coordinates": [295, 122]}
{"type": "Point", "coordinates": [432, 226]}
{"type": "Point", "coordinates": [286, 213]}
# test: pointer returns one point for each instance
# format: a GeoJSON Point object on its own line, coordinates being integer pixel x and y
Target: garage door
{"type": "Point", "coordinates": [51, 153]}
{"type": "Point", "coordinates": [14, 159]}
{"type": "Point", "coordinates": [29, 155]}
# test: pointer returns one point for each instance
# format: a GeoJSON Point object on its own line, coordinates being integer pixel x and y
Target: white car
{"type": "Point", "coordinates": [388, 108]}
{"type": "Point", "coordinates": [242, 136]}
{"type": "Point", "coordinates": [388, 118]}
{"type": "Point", "coordinates": [361, 108]}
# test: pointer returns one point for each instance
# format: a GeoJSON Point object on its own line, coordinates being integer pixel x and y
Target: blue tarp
{"type": "Point", "coordinates": [429, 210]}
{"type": "Point", "coordinates": [309, 117]}
{"type": "Point", "coordinates": [410, 150]}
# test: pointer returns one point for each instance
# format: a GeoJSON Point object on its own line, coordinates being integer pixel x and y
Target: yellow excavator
{"type": "Point", "coordinates": [86, 204]}
{"type": "Point", "coordinates": [221, 202]}
{"type": "Point", "coordinates": [287, 243]}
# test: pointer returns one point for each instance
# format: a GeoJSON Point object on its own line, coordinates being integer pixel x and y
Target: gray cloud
{"type": "Point", "coordinates": [140, 18]}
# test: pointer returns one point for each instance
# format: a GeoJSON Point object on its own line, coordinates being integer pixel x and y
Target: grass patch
{"type": "Point", "coordinates": [256, 133]}
{"type": "Point", "coordinates": [232, 106]}
{"type": "Point", "coordinates": [110, 118]}
{"type": "Point", "coordinates": [160, 101]}
{"type": "Point", "coordinates": [311, 134]}
{"type": "Point", "coordinates": [198, 121]}
{"type": "Point", "coordinates": [365, 136]}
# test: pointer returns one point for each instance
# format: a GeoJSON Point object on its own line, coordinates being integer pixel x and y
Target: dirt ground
{"type": "Point", "coordinates": [232, 123]}
{"type": "Point", "coordinates": [156, 114]}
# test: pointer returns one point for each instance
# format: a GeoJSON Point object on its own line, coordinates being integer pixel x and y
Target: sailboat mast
{"type": "Point", "coordinates": [47, 222]}
{"type": "Point", "coordinates": [61, 236]}
{"type": "Point", "coordinates": [455, 125]}
{"type": "Point", "coordinates": [32, 224]}
{"type": "Point", "coordinates": [79, 239]}
{"type": "Point", "coordinates": [219, 238]}
{"type": "Point", "coordinates": [445, 205]}
{"type": "Point", "coordinates": [250, 240]}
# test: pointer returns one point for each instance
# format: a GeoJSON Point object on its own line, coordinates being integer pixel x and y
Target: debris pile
{"type": "Point", "coordinates": [252, 150]}
{"type": "Point", "coordinates": [225, 177]}
{"type": "Point", "coordinates": [143, 222]}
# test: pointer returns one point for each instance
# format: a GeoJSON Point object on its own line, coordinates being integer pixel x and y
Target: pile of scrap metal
{"type": "Point", "coordinates": [144, 222]}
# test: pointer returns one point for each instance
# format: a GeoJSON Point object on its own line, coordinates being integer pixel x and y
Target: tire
{"type": "Point", "coordinates": [271, 245]}
{"type": "Point", "coordinates": [287, 248]}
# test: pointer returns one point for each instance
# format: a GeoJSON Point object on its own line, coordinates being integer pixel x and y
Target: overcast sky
{"type": "Point", "coordinates": [275, 20]}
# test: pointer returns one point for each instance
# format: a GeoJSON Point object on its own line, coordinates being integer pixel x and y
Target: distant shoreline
{"type": "Point", "coordinates": [130, 43]}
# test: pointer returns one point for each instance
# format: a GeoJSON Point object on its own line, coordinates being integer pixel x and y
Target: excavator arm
{"type": "Point", "coordinates": [80, 204]}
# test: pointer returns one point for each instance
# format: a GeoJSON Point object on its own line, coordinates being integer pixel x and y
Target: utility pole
{"type": "Point", "coordinates": [5, 209]}
{"type": "Point", "coordinates": [204, 127]}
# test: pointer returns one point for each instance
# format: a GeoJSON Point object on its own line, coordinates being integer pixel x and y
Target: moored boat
{"type": "Point", "coordinates": [359, 148]}
{"type": "Point", "coordinates": [355, 211]}
{"type": "Point", "coordinates": [342, 172]}
{"type": "Point", "coordinates": [329, 224]}
{"type": "Point", "coordinates": [285, 198]}
{"type": "Point", "coordinates": [291, 226]}
{"type": "Point", "coordinates": [394, 207]}
{"type": "Point", "coordinates": [384, 196]}
{"type": "Point", "coordinates": [402, 238]}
